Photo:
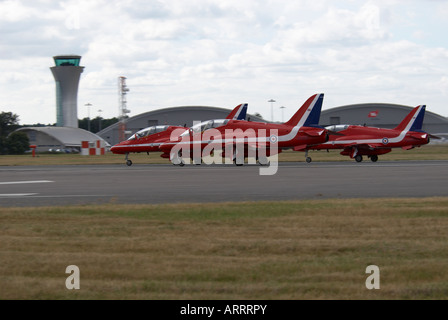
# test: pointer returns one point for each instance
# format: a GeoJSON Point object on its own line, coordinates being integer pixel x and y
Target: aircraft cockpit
{"type": "Point", "coordinates": [205, 125]}
{"type": "Point", "coordinates": [148, 131]}
{"type": "Point", "coordinates": [337, 127]}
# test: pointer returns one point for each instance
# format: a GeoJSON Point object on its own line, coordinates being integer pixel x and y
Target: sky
{"type": "Point", "coordinates": [223, 53]}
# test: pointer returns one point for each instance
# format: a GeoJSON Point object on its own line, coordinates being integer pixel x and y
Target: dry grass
{"type": "Point", "coordinates": [257, 250]}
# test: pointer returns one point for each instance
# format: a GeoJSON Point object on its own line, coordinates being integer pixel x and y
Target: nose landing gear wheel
{"type": "Point", "coordinates": [374, 158]}
{"type": "Point", "coordinates": [358, 158]}
{"type": "Point", "coordinates": [128, 163]}
{"type": "Point", "coordinates": [307, 158]}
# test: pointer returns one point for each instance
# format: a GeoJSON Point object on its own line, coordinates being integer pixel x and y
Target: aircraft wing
{"type": "Point", "coordinates": [314, 132]}
{"type": "Point", "coordinates": [302, 147]}
{"type": "Point", "coordinates": [364, 146]}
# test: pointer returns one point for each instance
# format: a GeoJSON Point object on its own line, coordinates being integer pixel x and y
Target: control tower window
{"type": "Point", "coordinates": [67, 62]}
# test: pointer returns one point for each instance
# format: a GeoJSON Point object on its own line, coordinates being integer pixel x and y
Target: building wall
{"type": "Point", "coordinates": [67, 82]}
{"type": "Point", "coordinates": [63, 138]}
{"type": "Point", "coordinates": [43, 141]}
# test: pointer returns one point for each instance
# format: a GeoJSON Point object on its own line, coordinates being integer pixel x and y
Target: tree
{"type": "Point", "coordinates": [8, 123]}
{"type": "Point", "coordinates": [96, 123]}
{"type": "Point", "coordinates": [17, 143]}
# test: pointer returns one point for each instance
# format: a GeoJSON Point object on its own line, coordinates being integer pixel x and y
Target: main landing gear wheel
{"type": "Point", "coordinates": [181, 164]}
{"type": "Point", "coordinates": [358, 158]}
{"type": "Point", "coordinates": [374, 158]}
{"type": "Point", "coordinates": [177, 159]}
{"type": "Point", "coordinates": [263, 161]}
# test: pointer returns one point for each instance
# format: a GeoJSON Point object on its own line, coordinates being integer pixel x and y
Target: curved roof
{"type": "Point", "coordinates": [180, 108]}
{"type": "Point", "coordinates": [372, 106]}
{"type": "Point", "coordinates": [68, 136]}
{"type": "Point", "coordinates": [164, 111]}
{"type": "Point", "coordinates": [381, 115]}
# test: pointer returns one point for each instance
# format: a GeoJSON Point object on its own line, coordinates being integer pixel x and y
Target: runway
{"type": "Point", "coordinates": [155, 184]}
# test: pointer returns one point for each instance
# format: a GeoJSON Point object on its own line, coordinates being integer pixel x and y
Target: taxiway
{"type": "Point", "coordinates": [155, 184]}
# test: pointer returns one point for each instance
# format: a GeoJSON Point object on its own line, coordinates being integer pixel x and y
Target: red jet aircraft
{"type": "Point", "coordinates": [299, 133]}
{"type": "Point", "coordinates": [357, 141]}
{"type": "Point", "coordinates": [149, 139]}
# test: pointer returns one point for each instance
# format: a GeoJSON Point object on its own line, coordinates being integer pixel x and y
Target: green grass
{"type": "Point", "coordinates": [251, 250]}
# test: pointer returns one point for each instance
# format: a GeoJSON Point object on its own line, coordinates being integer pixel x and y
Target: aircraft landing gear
{"type": "Point", "coordinates": [374, 158]}
{"type": "Point", "coordinates": [128, 162]}
{"type": "Point", "coordinates": [177, 160]}
{"type": "Point", "coordinates": [358, 158]}
{"type": "Point", "coordinates": [263, 161]}
{"type": "Point", "coordinates": [307, 159]}
{"type": "Point", "coordinates": [236, 159]}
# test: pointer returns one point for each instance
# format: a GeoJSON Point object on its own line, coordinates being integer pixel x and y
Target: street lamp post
{"type": "Point", "coordinates": [272, 109]}
{"type": "Point", "coordinates": [282, 107]}
{"type": "Point", "coordinates": [88, 105]}
{"type": "Point", "coordinates": [99, 120]}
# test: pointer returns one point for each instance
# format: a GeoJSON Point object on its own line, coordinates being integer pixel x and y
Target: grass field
{"type": "Point", "coordinates": [255, 250]}
{"type": "Point", "coordinates": [428, 152]}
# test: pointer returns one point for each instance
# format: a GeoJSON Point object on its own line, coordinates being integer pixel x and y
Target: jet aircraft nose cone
{"type": "Point", "coordinates": [114, 148]}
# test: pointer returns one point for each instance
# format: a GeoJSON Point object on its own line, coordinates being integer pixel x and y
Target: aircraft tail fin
{"type": "Point", "coordinates": [309, 113]}
{"type": "Point", "coordinates": [414, 120]}
{"type": "Point", "coordinates": [239, 113]}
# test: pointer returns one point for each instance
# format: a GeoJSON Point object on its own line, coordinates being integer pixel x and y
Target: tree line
{"type": "Point", "coordinates": [12, 142]}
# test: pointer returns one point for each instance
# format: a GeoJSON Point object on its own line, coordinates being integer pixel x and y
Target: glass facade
{"type": "Point", "coordinates": [67, 61]}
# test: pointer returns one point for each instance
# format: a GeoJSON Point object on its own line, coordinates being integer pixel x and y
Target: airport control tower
{"type": "Point", "coordinates": [67, 73]}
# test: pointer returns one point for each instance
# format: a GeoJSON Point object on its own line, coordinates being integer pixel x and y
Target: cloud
{"type": "Point", "coordinates": [222, 53]}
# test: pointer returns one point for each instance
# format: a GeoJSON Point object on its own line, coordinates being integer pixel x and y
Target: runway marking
{"type": "Point", "coordinates": [26, 182]}
{"type": "Point", "coordinates": [15, 195]}
{"type": "Point", "coordinates": [36, 195]}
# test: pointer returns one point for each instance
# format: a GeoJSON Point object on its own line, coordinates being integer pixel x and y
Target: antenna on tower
{"type": "Point", "coordinates": [123, 110]}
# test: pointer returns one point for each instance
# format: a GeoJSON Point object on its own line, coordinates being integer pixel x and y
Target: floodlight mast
{"type": "Point", "coordinates": [123, 110]}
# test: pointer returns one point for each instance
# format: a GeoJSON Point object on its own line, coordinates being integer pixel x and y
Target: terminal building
{"type": "Point", "coordinates": [59, 139]}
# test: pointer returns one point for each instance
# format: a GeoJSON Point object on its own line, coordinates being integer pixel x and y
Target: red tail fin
{"type": "Point", "coordinates": [414, 120]}
{"type": "Point", "coordinates": [309, 112]}
{"type": "Point", "coordinates": [239, 113]}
